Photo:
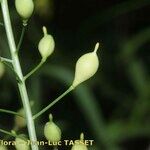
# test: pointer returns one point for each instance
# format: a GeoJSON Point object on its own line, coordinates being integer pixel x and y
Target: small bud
{"type": "Point", "coordinates": [46, 44]}
{"type": "Point", "coordinates": [21, 144]}
{"type": "Point", "coordinates": [2, 147]}
{"type": "Point", "coordinates": [80, 144]}
{"type": "Point", "coordinates": [24, 8]}
{"type": "Point", "coordinates": [2, 69]}
{"type": "Point", "coordinates": [86, 66]}
{"type": "Point", "coordinates": [51, 131]}
{"type": "Point", "coordinates": [20, 122]}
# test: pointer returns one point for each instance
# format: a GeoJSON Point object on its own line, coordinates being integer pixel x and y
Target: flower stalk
{"type": "Point", "coordinates": [53, 103]}
{"type": "Point", "coordinates": [18, 70]}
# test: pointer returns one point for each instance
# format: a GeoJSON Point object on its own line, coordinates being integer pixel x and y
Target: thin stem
{"type": "Point", "coordinates": [17, 68]}
{"type": "Point", "coordinates": [21, 38]}
{"type": "Point", "coordinates": [10, 112]}
{"type": "Point", "coordinates": [2, 59]}
{"type": "Point", "coordinates": [53, 103]}
{"type": "Point", "coordinates": [35, 69]}
{"type": "Point", "coordinates": [8, 133]}
{"type": "Point", "coordinates": [10, 65]}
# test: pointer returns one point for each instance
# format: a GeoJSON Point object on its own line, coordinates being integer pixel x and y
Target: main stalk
{"type": "Point", "coordinates": [18, 70]}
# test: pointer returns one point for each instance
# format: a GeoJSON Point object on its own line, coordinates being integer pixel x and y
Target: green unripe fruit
{"type": "Point", "coordinates": [51, 131]}
{"type": "Point", "coordinates": [21, 144]}
{"type": "Point", "coordinates": [20, 122]}
{"type": "Point", "coordinates": [79, 147]}
{"type": "Point", "coordinates": [20, 119]}
{"type": "Point", "coordinates": [86, 66]}
{"type": "Point", "coordinates": [24, 8]}
{"type": "Point", "coordinates": [80, 144]}
{"type": "Point", "coordinates": [2, 69]}
{"type": "Point", "coordinates": [2, 147]}
{"type": "Point", "coordinates": [46, 45]}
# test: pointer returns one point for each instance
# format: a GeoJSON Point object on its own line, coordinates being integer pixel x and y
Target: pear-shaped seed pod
{"type": "Point", "coordinates": [86, 66]}
{"type": "Point", "coordinates": [21, 144]}
{"type": "Point", "coordinates": [51, 131]}
{"type": "Point", "coordinates": [2, 69]}
{"type": "Point", "coordinates": [24, 8]}
{"type": "Point", "coordinates": [46, 45]}
{"type": "Point", "coordinates": [20, 122]}
{"type": "Point", "coordinates": [80, 145]}
{"type": "Point", "coordinates": [2, 147]}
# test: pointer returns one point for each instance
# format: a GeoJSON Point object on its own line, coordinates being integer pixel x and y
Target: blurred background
{"type": "Point", "coordinates": [112, 108]}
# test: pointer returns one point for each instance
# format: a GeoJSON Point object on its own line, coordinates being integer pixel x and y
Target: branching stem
{"type": "Point", "coordinates": [53, 103]}
{"type": "Point", "coordinates": [21, 38]}
{"type": "Point", "coordinates": [8, 133]}
{"type": "Point", "coordinates": [17, 68]}
{"type": "Point", "coordinates": [35, 69]}
{"type": "Point", "coordinates": [10, 112]}
{"type": "Point", "coordinates": [2, 59]}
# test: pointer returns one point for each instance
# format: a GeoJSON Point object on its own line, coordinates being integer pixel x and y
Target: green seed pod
{"type": "Point", "coordinates": [86, 66]}
{"type": "Point", "coordinates": [20, 122]}
{"type": "Point", "coordinates": [21, 144]}
{"type": "Point", "coordinates": [46, 45]}
{"type": "Point", "coordinates": [24, 8]}
{"type": "Point", "coordinates": [2, 69]}
{"type": "Point", "coordinates": [51, 131]}
{"type": "Point", "coordinates": [80, 144]}
{"type": "Point", "coordinates": [2, 147]}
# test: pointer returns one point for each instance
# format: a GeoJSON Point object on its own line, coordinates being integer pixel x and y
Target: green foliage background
{"type": "Point", "coordinates": [113, 108]}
